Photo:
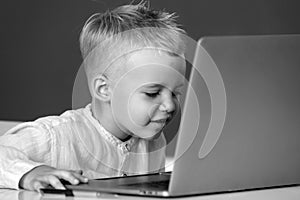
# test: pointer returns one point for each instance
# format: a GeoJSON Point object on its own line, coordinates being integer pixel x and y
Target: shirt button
{"type": "Point", "coordinates": [127, 147]}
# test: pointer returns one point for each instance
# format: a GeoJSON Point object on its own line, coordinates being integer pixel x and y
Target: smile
{"type": "Point", "coordinates": [161, 121]}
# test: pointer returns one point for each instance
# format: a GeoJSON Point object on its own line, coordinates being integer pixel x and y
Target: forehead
{"type": "Point", "coordinates": [156, 57]}
{"type": "Point", "coordinates": [153, 67]}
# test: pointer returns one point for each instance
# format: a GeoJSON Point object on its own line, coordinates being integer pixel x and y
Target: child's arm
{"type": "Point", "coordinates": [24, 154]}
{"type": "Point", "coordinates": [13, 164]}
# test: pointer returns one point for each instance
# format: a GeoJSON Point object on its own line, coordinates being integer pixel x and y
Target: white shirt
{"type": "Point", "coordinates": [75, 140]}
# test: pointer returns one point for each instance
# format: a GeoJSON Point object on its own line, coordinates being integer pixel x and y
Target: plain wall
{"type": "Point", "coordinates": [40, 56]}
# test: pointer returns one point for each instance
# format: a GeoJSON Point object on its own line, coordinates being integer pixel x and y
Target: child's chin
{"type": "Point", "coordinates": [154, 137]}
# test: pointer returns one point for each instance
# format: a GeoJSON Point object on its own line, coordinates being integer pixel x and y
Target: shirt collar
{"type": "Point", "coordinates": [125, 146]}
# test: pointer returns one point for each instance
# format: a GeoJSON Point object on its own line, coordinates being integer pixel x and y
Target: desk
{"type": "Point", "coordinates": [6, 125]}
{"type": "Point", "coordinates": [287, 193]}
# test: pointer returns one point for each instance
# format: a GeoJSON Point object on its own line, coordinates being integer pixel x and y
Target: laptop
{"type": "Point", "coordinates": [240, 125]}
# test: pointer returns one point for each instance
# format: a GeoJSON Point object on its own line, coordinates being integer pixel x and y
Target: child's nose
{"type": "Point", "coordinates": [168, 105]}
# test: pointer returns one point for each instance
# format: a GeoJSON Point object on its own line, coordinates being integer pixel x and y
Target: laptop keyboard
{"type": "Point", "coordinates": [153, 184]}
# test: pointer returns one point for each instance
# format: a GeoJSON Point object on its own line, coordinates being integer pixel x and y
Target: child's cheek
{"type": "Point", "coordinates": [139, 113]}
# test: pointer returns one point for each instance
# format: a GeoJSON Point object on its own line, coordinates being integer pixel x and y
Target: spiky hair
{"type": "Point", "coordinates": [126, 28]}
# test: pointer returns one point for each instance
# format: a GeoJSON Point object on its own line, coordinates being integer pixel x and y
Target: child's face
{"type": "Point", "coordinates": [145, 98]}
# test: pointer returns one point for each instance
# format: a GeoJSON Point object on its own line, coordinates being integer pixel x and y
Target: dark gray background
{"type": "Point", "coordinates": [39, 52]}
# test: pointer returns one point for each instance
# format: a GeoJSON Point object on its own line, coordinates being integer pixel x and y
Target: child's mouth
{"type": "Point", "coordinates": [162, 121]}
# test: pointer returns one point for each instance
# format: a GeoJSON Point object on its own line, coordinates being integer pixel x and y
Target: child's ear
{"type": "Point", "coordinates": [102, 88]}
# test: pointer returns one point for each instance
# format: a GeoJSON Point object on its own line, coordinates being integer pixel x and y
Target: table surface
{"type": "Point", "coordinates": [286, 193]}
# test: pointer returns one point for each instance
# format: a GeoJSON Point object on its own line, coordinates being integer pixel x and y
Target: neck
{"type": "Point", "coordinates": [103, 113]}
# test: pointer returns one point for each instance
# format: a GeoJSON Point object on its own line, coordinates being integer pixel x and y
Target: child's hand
{"type": "Point", "coordinates": [43, 176]}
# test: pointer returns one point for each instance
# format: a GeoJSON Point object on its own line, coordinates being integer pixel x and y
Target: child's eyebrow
{"type": "Point", "coordinates": [153, 85]}
{"type": "Point", "coordinates": [156, 85]}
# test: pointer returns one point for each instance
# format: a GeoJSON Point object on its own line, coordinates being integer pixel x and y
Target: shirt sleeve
{"type": "Point", "coordinates": [21, 149]}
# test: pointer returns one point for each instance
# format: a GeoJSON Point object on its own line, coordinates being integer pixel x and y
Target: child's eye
{"type": "Point", "coordinates": [152, 94]}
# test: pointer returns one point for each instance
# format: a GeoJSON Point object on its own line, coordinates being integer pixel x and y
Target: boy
{"type": "Point", "coordinates": [135, 70]}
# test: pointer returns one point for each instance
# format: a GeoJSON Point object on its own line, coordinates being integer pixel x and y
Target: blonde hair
{"type": "Point", "coordinates": [106, 36]}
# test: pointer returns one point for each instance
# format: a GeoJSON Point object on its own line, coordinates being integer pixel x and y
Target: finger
{"type": "Point", "coordinates": [81, 178]}
{"type": "Point", "coordinates": [68, 176]}
{"type": "Point", "coordinates": [37, 186]}
{"type": "Point", "coordinates": [54, 182]}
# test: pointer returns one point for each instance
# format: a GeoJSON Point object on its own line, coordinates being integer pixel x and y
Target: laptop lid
{"type": "Point", "coordinates": [240, 126]}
